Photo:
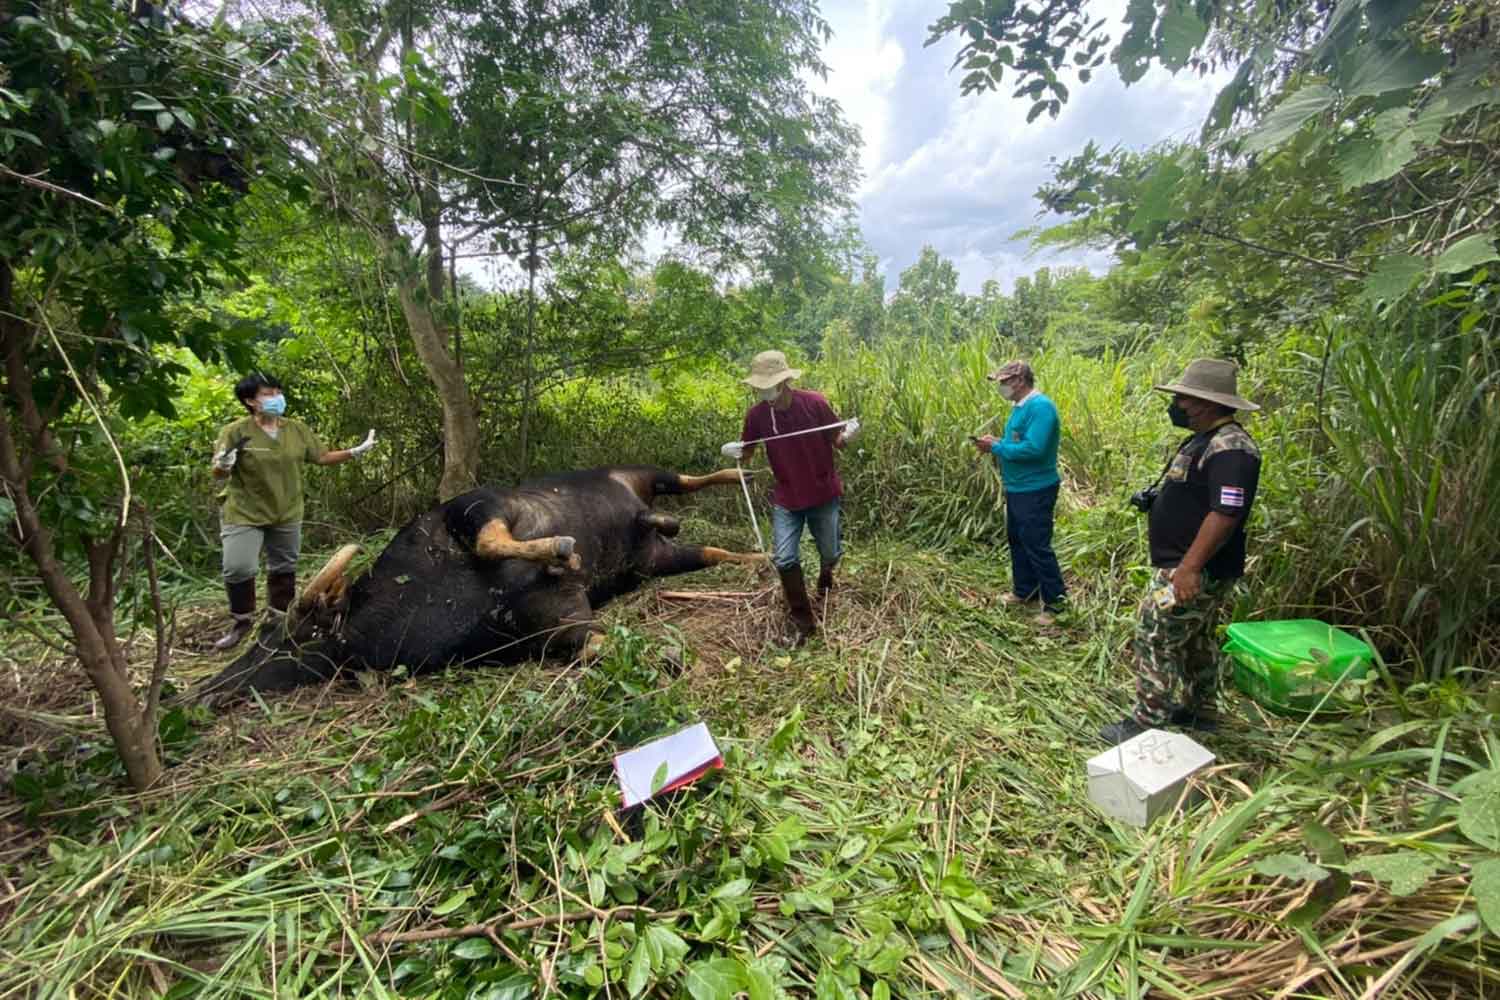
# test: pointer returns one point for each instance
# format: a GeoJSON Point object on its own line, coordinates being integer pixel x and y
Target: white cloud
{"type": "Point", "coordinates": [960, 173]}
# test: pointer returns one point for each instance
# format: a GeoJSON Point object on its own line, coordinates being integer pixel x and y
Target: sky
{"type": "Point", "coordinates": [961, 173]}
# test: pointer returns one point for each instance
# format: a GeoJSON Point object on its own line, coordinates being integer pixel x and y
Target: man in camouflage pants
{"type": "Point", "coordinates": [1197, 534]}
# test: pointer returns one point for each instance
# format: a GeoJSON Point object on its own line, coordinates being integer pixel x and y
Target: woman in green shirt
{"type": "Point", "coordinates": [261, 456]}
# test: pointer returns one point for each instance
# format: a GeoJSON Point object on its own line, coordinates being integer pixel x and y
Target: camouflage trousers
{"type": "Point", "coordinates": [1177, 646]}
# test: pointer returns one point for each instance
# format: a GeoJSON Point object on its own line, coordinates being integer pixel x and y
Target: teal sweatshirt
{"type": "Point", "coordinates": [1027, 451]}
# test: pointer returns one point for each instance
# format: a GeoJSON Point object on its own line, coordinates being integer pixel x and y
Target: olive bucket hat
{"type": "Point", "coordinates": [1210, 379]}
{"type": "Point", "coordinates": [768, 369]}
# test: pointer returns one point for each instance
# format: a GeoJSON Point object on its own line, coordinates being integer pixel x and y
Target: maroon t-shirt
{"type": "Point", "coordinates": [803, 465]}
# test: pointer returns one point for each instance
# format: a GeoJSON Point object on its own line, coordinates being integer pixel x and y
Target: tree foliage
{"type": "Point", "coordinates": [128, 143]}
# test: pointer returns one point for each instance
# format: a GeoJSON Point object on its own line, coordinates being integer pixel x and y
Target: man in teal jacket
{"type": "Point", "coordinates": [1027, 455]}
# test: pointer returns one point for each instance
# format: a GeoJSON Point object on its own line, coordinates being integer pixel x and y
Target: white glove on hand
{"type": "Point", "coordinates": [224, 460]}
{"type": "Point", "coordinates": [851, 428]}
{"type": "Point", "coordinates": [734, 450]}
{"type": "Point", "coordinates": [363, 446]}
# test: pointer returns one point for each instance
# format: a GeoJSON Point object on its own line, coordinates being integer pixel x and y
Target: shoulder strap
{"type": "Point", "coordinates": [1172, 458]}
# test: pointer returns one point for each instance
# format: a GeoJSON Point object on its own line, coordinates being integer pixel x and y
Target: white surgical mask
{"type": "Point", "coordinates": [768, 395]}
{"type": "Point", "coordinates": [1007, 393]}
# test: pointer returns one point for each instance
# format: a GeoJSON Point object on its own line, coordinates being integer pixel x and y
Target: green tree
{"type": "Point", "coordinates": [1341, 160]}
{"type": "Point", "coordinates": [540, 130]}
{"type": "Point", "coordinates": [927, 301]}
{"type": "Point", "coordinates": [127, 146]}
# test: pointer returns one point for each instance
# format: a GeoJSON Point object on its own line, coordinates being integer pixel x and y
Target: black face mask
{"type": "Point", "coordinates": [1178, 415]}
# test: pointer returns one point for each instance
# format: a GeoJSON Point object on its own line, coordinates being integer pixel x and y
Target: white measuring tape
{"type": "Point", "coordinates": [760, 542]}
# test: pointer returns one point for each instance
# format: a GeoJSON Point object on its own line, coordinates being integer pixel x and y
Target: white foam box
{"type": "Point", "coordinates": [1143, 777]}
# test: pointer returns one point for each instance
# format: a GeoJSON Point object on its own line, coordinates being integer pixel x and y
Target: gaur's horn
{"type": "Point", "coordinates": [330, 579]}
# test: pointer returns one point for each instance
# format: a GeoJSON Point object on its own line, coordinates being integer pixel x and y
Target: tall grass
{"type": "Point", "coordinates": [1416, 428]}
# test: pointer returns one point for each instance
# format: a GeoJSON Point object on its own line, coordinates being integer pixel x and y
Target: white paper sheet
{"type": "Point", "coordinates": [683, 753]}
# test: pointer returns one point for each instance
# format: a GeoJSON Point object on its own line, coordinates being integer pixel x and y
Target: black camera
{"type": "Point", "coordinates": [1142, 500]}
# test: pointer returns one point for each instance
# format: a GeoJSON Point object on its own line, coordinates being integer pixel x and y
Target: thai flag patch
{"type": "Point", "coordinates": [1231, 496]}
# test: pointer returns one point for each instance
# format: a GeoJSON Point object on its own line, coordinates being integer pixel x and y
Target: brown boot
{"type": "Point", "coordinates": [280, 589]}
{"type": "Point", "coordinates": [242, 607]}
{"type": "Point", "coordinates": [795, 588]}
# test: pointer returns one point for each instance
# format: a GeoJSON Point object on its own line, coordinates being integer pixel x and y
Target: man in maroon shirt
{"type": "Point", "coordinates": [800, 431]}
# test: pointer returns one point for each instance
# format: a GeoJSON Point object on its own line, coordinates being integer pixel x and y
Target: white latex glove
{"type": "Point", "coordinates": [363, 446]}
{"type": "Point", "coordinates": [224, 460]}
{"type": "Point", "coordinates": [851, 428]}
{"type": "Point", "coordinates": [734, 450]}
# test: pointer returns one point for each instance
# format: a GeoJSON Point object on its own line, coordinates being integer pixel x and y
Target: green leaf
{"type": "Point", "coordinates": [516, 986]}
{"type": "Point", "coordinates": [732, 890]}
{"type": "Point", "coordinates": [640, 969]}
{"type": "Point", "coordinates": [1394, 276]}
{"type": "Point", "coordinates": [1290, 866]}
{"type": "Point", "coordinates": [1406, 871]}
{"type": "Point", "coordinates": [145, 102]}
{"type": "Point", "coordinates": [1159, 201]}
{"type": "Point", "coordinates": [786, 733]}
{"type": "Point", "coordinates": [1469, 252]}
{"type": "Point", "coordinates": [1289, 116]}
{"type": "Point", "coordinates": [1485, 885]}
{"type": "Point", "coordinates": [473, 948]}
{"type": "Point", "coordinates": [1180, 31]}
{"type": "Point", "coordinates": [1391, 146]}
{"type": "Point", "coordinates": [715, 979]}
{"type": "Point", "coordinates": [659, 778]}
{"type": "Point", "coordinates": [1321, 841]}
{"type": "Point", "coordinates": [759, 981]}
{"type": "Point", "coordinates": [453, 902]}
{"type": "Point", "coordinates": [667, 947]}
{"type": "Point", "coordinates": [1377, 68]}
{"type": "Point", "coordinates": [1479, 812]}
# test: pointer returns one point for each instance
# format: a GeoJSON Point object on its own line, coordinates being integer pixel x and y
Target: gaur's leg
{"type": "Point", "coordinates": [665, 524]}
{"type": "Point", "coordinates": [669, 559]}
{"type": "Point", "coordinates": [647, 482]}
{"type": "Point", "coordinates": [478, 520]}
{"type": "Point", "coordinates": [494, 541]}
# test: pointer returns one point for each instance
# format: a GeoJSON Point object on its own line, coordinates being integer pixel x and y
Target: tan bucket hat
{"type": "Point", "coordinates": [770, 369]}
{"type": "Point", "coordinates": [1213, 380]}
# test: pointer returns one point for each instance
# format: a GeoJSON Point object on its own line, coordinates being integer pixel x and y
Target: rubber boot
{"type": "Point", "coordinates": [280, 589]}
{"type": "Point", "coordinates": [825, 585]}
{"type": "Point", "coordinates": [795, 588]}
{"type": "Point", "coordinates": [242, 608]}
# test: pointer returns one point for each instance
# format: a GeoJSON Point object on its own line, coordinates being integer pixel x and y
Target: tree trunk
{"type": "Point", "coordinates": [460, 424]}
{"type": "Point", "coordinates": [91, 618]}
{"type": "Point", "coordinates": [526, 352]}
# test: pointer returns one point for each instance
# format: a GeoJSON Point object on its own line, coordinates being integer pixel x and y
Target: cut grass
{"type": "Point", "coordinates": [904, 809]}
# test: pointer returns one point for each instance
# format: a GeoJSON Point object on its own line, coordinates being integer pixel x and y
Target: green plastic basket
{"type": "Point", "coordinates": [1291, 666]}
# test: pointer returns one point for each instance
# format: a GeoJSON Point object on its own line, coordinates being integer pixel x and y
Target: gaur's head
{"type": "Point", "coordinates": [295, 648]}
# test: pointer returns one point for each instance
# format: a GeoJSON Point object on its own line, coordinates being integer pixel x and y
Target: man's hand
{"type": "Point", "coordinates": [734, 450]}
{"type": "Point", "coordinates": [363, 446]}
{"type": "Point", "coordinates": [985, 443]}
{"type": "Point", "coordinates": [1186, 582]}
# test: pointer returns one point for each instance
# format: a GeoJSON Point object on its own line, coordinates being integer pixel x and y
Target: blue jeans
{"type": "Point", "coordinates": [1033, 564]}
{"type": "Point", "coordinates": [786, 533]}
